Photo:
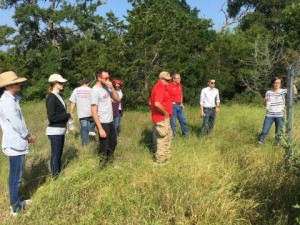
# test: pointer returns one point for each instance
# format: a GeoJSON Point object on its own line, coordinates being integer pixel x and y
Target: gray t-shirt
{"type": "Point", "coordinates": [101, 96]}
{"type": "Point", "coordinates": [82, 97]}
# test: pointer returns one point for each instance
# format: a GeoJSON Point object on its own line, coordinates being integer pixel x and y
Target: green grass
{"type": "Point", "coordinates": [219, 179]}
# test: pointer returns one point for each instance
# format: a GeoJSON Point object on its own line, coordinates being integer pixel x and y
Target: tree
{"type": "Point", "coordinates": [159, 38]}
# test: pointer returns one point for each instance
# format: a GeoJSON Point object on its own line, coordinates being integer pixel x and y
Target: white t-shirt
{"type": "Point", "coordinates": [82, 97]}
{"type": "Point", "coordinates": [275, 106]}
{"type": "Point", "coordinates": [101, 96]}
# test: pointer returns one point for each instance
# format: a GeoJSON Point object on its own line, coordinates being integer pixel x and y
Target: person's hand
{"type": "Point", "coordinates": [295, 81]}
{"type": "Point", "coordinates": [217, 109]}
{"type": "Point", "coordinates": [109, 84]}
{"type": "Point", "coordinates": [182, 106]}
{"type": "Point", "coordinates": [102, 133]}
{"type": "Point", "coordinates": [31, 139]}
{"type": "Point", "coordinates": [202, 114]}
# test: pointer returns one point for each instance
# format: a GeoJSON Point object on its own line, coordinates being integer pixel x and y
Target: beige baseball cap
{"type": "Point", "coordinates": [165, 75]}
{"type": "Point", "coordinates": [56, 78]}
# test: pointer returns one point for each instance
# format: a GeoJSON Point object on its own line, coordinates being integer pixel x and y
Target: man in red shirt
{"type": "Point", "coordinates": [175, 92]}
{"type": "Point", "coordinates": [161, 108]}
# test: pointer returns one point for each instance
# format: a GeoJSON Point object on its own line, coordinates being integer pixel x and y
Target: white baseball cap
{"type": "Point", "coordinates": [56, 78]}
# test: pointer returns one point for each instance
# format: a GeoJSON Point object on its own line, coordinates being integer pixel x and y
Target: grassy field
{"type": "Point", "coordinates": [223, 178]}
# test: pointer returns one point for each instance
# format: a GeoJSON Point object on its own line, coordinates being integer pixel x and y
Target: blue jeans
{"type": "Point", "coordinates": [208, 120]}
{"type": "Point", "coordinates": [57, 145]}
{"type": "Point", "coordinates": [279, 121]}
{"type": "Point", "coordinates": [117, 121]}
{"type": "Point", "coordinates": [15, 176]}
{"type": "Point", "coordinates": [87, 125]}
{"type": "Point", "coordinates": [178, 113]}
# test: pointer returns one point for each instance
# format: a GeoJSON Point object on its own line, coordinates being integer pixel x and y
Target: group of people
{"type": "Point", "coordinates": [100, 106]}
{"type": "Point", "coordinates": [95, 108]}
{"type": "Point", "coordinates": [166, 102]}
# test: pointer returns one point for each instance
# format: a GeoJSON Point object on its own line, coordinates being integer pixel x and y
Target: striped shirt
{"type": "Point", "coordinates": [275, 105]}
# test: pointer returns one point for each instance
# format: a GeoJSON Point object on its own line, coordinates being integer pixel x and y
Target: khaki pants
{"type": "Point", "coordinates": [162, 136]}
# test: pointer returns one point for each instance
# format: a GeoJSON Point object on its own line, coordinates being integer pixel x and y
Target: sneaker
{"type": "Point", "coordinates": [22, 206]}
{"type": "Point", "coordinates": [25, 202]}
{"type": "Point", "coordinates": [259, 143]}
{"type": "Point", "coordinates": [92, 133]}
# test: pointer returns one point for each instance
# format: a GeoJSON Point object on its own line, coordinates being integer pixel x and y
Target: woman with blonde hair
{"type": "Point", "coordinates": [58, 118]}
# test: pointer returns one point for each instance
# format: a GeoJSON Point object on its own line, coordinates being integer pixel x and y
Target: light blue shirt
{"type": "Point", "coordinates": [13, 124]}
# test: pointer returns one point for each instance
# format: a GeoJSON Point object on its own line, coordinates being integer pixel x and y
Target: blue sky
{"type": "Point", "coordinates": [209, 9]}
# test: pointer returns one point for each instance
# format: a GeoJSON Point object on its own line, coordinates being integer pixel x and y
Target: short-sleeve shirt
{"type": "Point", "coordinates": [82, 97]}
{"type": "Point", "coordinates": [175, 92]}
{"type": "Point", "coordinates": [275, 107]}
{"type": "Point", "coordinates": [160, 94]}
{"type": "Point", "coordinates": [101, 96]}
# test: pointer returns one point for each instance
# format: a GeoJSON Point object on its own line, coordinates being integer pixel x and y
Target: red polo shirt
{"type": "Point", "coordinates": [160, 94]}
{"type": "Point", "coordinates": [175, 92]}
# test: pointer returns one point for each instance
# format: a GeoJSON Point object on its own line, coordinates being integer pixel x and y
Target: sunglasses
{"type": "Point", "coordinates": [212, 82]}
{"type": "Point", "coordinates": [105, 78]}
{"type": "Point", "coordinates": [61, 83]}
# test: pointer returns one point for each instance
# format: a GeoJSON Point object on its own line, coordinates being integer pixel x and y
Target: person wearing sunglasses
{"type": "Point", "coordinates": [161, 111]}
{"type": "Point", "coordinates": [209, 106]}
{"type": "Point", "coordinates": [58, 118]}
{"type": "Point", "coordinates": [103, 92]}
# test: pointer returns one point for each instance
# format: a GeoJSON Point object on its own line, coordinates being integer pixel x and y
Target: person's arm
{"type": "Point", "coordinates": [53, 116]}
{"type": "Point", "coordinates": [11, 115]}
{"type": "Point", "coordinates": [114, 93]}
{"type": "Point", "coordinates": [72, 107]}
{"type": "Point", "coordinates": [161, 109]}
{"type": "Point", "coordinates": [94, 110]}
{"type": "Point", "coordinates": [218, 102]}
{"type": "Point", "coordinates": [201, 104]}
{"type": "Point", "coordinates": [295, 91]}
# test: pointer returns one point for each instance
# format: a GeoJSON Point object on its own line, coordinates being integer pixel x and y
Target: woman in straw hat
{"type": "Point", "coordinates": [58, 118]}
{"type": "Point", "coordinates": [15, 137]}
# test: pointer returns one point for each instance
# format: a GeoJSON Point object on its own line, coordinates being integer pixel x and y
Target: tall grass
{"type": "Point", "coordinates": [223, 178]}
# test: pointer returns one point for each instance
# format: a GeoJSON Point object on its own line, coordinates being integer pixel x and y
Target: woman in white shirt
{"type": "Point", "coordinates": [15, 137]}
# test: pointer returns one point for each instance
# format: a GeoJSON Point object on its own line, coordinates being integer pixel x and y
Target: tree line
{"type": "Point", "coordinates": [71, 38]}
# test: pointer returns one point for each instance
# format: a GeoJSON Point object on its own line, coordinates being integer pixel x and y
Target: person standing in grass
{"type": "Point", "coordinates": [58, 118]}
{"type": "Point", "coordinates": [274, 101]}
{"type": "Point", "coordinates": [16, 137]}
{"type": "Point", "coordinates": [81, 97]}
{"type": "Point", "coordinates": [209, 106]}
{"type": "Point", "coordinates": [118, 106]}
{"type": "Point", "coordinates": [101, 106]}
{"type": "Point", "coordinates": [161, 108]}
{"type": "Point", "coordinates": [175, 92]}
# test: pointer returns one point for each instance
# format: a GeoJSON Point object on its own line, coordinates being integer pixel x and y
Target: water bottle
{"type": "Point", "coordinates": [71, 124]}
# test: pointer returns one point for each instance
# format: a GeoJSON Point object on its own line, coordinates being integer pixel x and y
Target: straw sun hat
{"type": "Point", "coordinates": [10, 77]}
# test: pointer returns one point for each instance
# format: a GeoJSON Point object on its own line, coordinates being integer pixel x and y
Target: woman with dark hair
{"type": "Point", "coordinates": [58, 118]}
{"type": "Point", "coordinates": [274, 101]}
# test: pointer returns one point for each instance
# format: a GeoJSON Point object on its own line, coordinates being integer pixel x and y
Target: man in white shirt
{"type": "Point", "coordinates": [101, 95]}
{"type": "Point", "coordinates": [81, 97]}
{"type": "Point", "coordinates": [209, 106]}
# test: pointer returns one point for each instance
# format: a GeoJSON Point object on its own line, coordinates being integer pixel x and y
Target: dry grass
{"type": "Point", "coordinates": [219, 179]}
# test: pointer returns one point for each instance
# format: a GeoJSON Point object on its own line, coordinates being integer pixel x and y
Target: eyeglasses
{"type": "Point", "coordinates": [212, 82]}
{"type": "Point", "coordinates": [105, 78]}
